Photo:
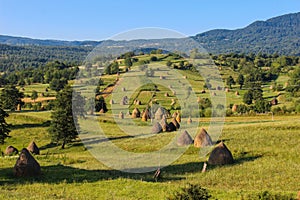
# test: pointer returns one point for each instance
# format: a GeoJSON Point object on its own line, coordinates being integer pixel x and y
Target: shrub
{"type": "Point", "coordinates": [191, 192]}
{"type": "Point", "coordinates": [268, 196]}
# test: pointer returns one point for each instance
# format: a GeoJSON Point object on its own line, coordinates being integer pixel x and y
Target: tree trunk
{"type": "Point", "coordinates": [63, 144]}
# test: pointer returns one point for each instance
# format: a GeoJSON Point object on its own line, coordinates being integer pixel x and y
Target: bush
{"type": "Point", "coordinates": [268, 196]}
{"type": "Point", "coordinates": [191, 192]}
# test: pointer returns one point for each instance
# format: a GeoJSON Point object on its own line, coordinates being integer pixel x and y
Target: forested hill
{"type": "Point", "coordinates": [279, 34]}
{"type": "Point", "coordinates": [24, 41]}
{"type": "Point", "coordinates": [276, 35]}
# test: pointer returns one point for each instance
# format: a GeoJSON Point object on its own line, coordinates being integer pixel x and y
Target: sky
{"type": "Point", "coordinates": [102, 19]}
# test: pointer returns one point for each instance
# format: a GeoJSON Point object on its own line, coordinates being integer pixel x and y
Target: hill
{"type": "Point", "coordinates": [276, 35]}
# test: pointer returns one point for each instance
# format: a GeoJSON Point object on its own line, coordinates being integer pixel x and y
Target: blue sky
{"type": "Point", "coordinates": [97, 19]}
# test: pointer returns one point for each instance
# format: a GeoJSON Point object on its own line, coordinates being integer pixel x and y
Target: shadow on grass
{"type": "Point", "coordinates": [20, 126]}
{"type": "Point", "coordinates": [59, 173]}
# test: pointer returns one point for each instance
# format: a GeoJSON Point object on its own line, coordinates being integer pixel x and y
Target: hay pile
{"type": "Point", "coordinates": [33, 148]}
{"type": "Point", "coordinates": [136, 113]}
{"type": "Point", "coordinates": [202, 139]}
{"type": "Point", "coordinates": [184, 139]}
{"type": "Point", "coordinates": [26, 165]}
{"type": "Point", "coordinates": [220, 155]}
{"type": "Point", "coordinates": [11, 150]}
{"type": "Point", "coordinates": [156, 128]}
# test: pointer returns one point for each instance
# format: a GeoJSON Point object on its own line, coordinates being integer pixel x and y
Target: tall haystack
{"type": "Point", "coordinates": [124, 100]}
{"type": "Point", "coordinates": [202, 139]}
{"type": "Point", "coordinates": [234, 108]}
{"type": "Point", "coordinates": [164, 124]}
{"type": "Point", "coordinates": [175, 122]}
{"type": "Point", "coordinates": [166, 94]}
{"type": "Point", "coordinates": [121, 115]}
{"type": "Point", "coordinates": [33, 148]}
{"type": "Point", "coordinates": [198, 99]}
{"type": "Point", "coordinates": [156, 128]}
{"type": "Point", "coordinates": [220, 155]}
{"type": "Point", "coordinates": [189, 120]}
{"type": "Point", "coordinates": [136, 113]}
{"type": "Point", "coordinates": [171, 127]}
{"type": "Point", "coordinates": [184, 139]}
{"type": "Point", "coordinates": [160, 113]}
{"type": "Point", "coordinates": [237, 93]}
{"type": "Point", "coordinates": [26, 165]}
{"type": "Point", "coordinates": [111, 102]}
{"type": "Point", "coordinates": [175, 114]}
{"type": "Point", "coordinates": [178, 118]}
{"type": "Point", "coordinates": [145, 115]}
{"type": "Point", "coordinates": [11, 150]}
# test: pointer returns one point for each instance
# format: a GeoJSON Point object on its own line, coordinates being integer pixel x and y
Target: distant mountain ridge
{"type": "Point", "coordinates": [279, 34]}
{"type": "Point", "coordinates": [276, 35]}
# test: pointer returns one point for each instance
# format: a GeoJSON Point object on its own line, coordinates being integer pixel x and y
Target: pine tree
{"type": "Point", "coordinates": [11, 97]}
{"type": "Point", "coordinates": [4, 131]}
{"type": "Point", "coordinates": [65, 116]}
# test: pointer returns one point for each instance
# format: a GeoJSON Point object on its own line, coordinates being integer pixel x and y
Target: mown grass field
{"type": "Point", "coordinates": [266, 154]}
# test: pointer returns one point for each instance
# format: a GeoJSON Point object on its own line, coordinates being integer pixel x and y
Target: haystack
{"type": "Point", "coordinates": [121, 115]}
{"type": "Point", "coordinates": [198, 99]}
{"type": "Point", "coordinates": [159, 113]}
{"type": "Point", "coordinates": [123, 89]}
{"type": "Point", "coordinates": [274, 102]}
{"type": "Point", "coordinates": [173, 102]}
{"type": "Point", "coordinates": [175, 114]}
{"type": "Point", "coordinates": [178, 118]}
{"type": "Point", "coordinates": [124, 101]}
{"type": "Point", "coordinates": [11, 150]}
{"type": "Point", "coordinates": [189, 120]}
{"type": "Point", "coordinates": [227, 90]}
{"type": "Point", "coordinates": [156, 128]}
{"type": "Point", "coordinates": [26, 165]}
{"type": "Point", "coordinates": [237, 93]}
{"type": "Point", "coordinates": [171, 127]}
{"type": "Point", "coordinates": [145, 115]}
{"type": "Point", "coordinates": [220, 155]}
{"type": "Point", "coordinates": [234, 108]}
{"type": "Point", "coordinates": [136, 113]}
{"type": "Point", "coordinates": [166, 94]}
{"type": "Point", "coordinates": [184, 139]}
{"type": "Point", "coordinates": [102, 110]}
{"type": "Point", "coordinates": [164, 124]}
{"type": "Point", "coordinates": [111, 102]}
{"type": "Point", "coordinates": [175, 122]}
{"type": "Point", "coordinates": [202, 139]}
{"type": "Point", "coordinates": [33, 148]}
{"type": "Point", "coordinates": [138, 102]}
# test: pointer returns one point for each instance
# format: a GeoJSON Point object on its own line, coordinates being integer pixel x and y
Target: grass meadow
{"type": "Point", "coordinates": [266, 154]}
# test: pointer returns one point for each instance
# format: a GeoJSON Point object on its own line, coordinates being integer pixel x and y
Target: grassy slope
{"type": "Point", "coordinates": [266, 154]}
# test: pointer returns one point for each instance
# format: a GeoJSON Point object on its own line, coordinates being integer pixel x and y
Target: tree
{"type": "Point", "coordinates": [128, 62]}
{"type": "Point", "coordinates": [64, 119]}
{"type": "Point", "coordinates": [100, 104]}
{"type": "Point", "coordinates": [262, 106]}
{"type": "Point", "coordinates": [4, 131]}
{"type": "Point", "coordinates": [230, 81]}
{"type": "Point", "coordinates": [58, 84]}
{"type": "Point", "coordinates": [34, 95]}
{"type": "Point", "coordinates": [247, 99]}
{"type": "Point", "coordinates": [240, 80]}
{"type": "Point", "coordinates": [169, 63]}
{"type": "Point", "coordinates": [11, 97]}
